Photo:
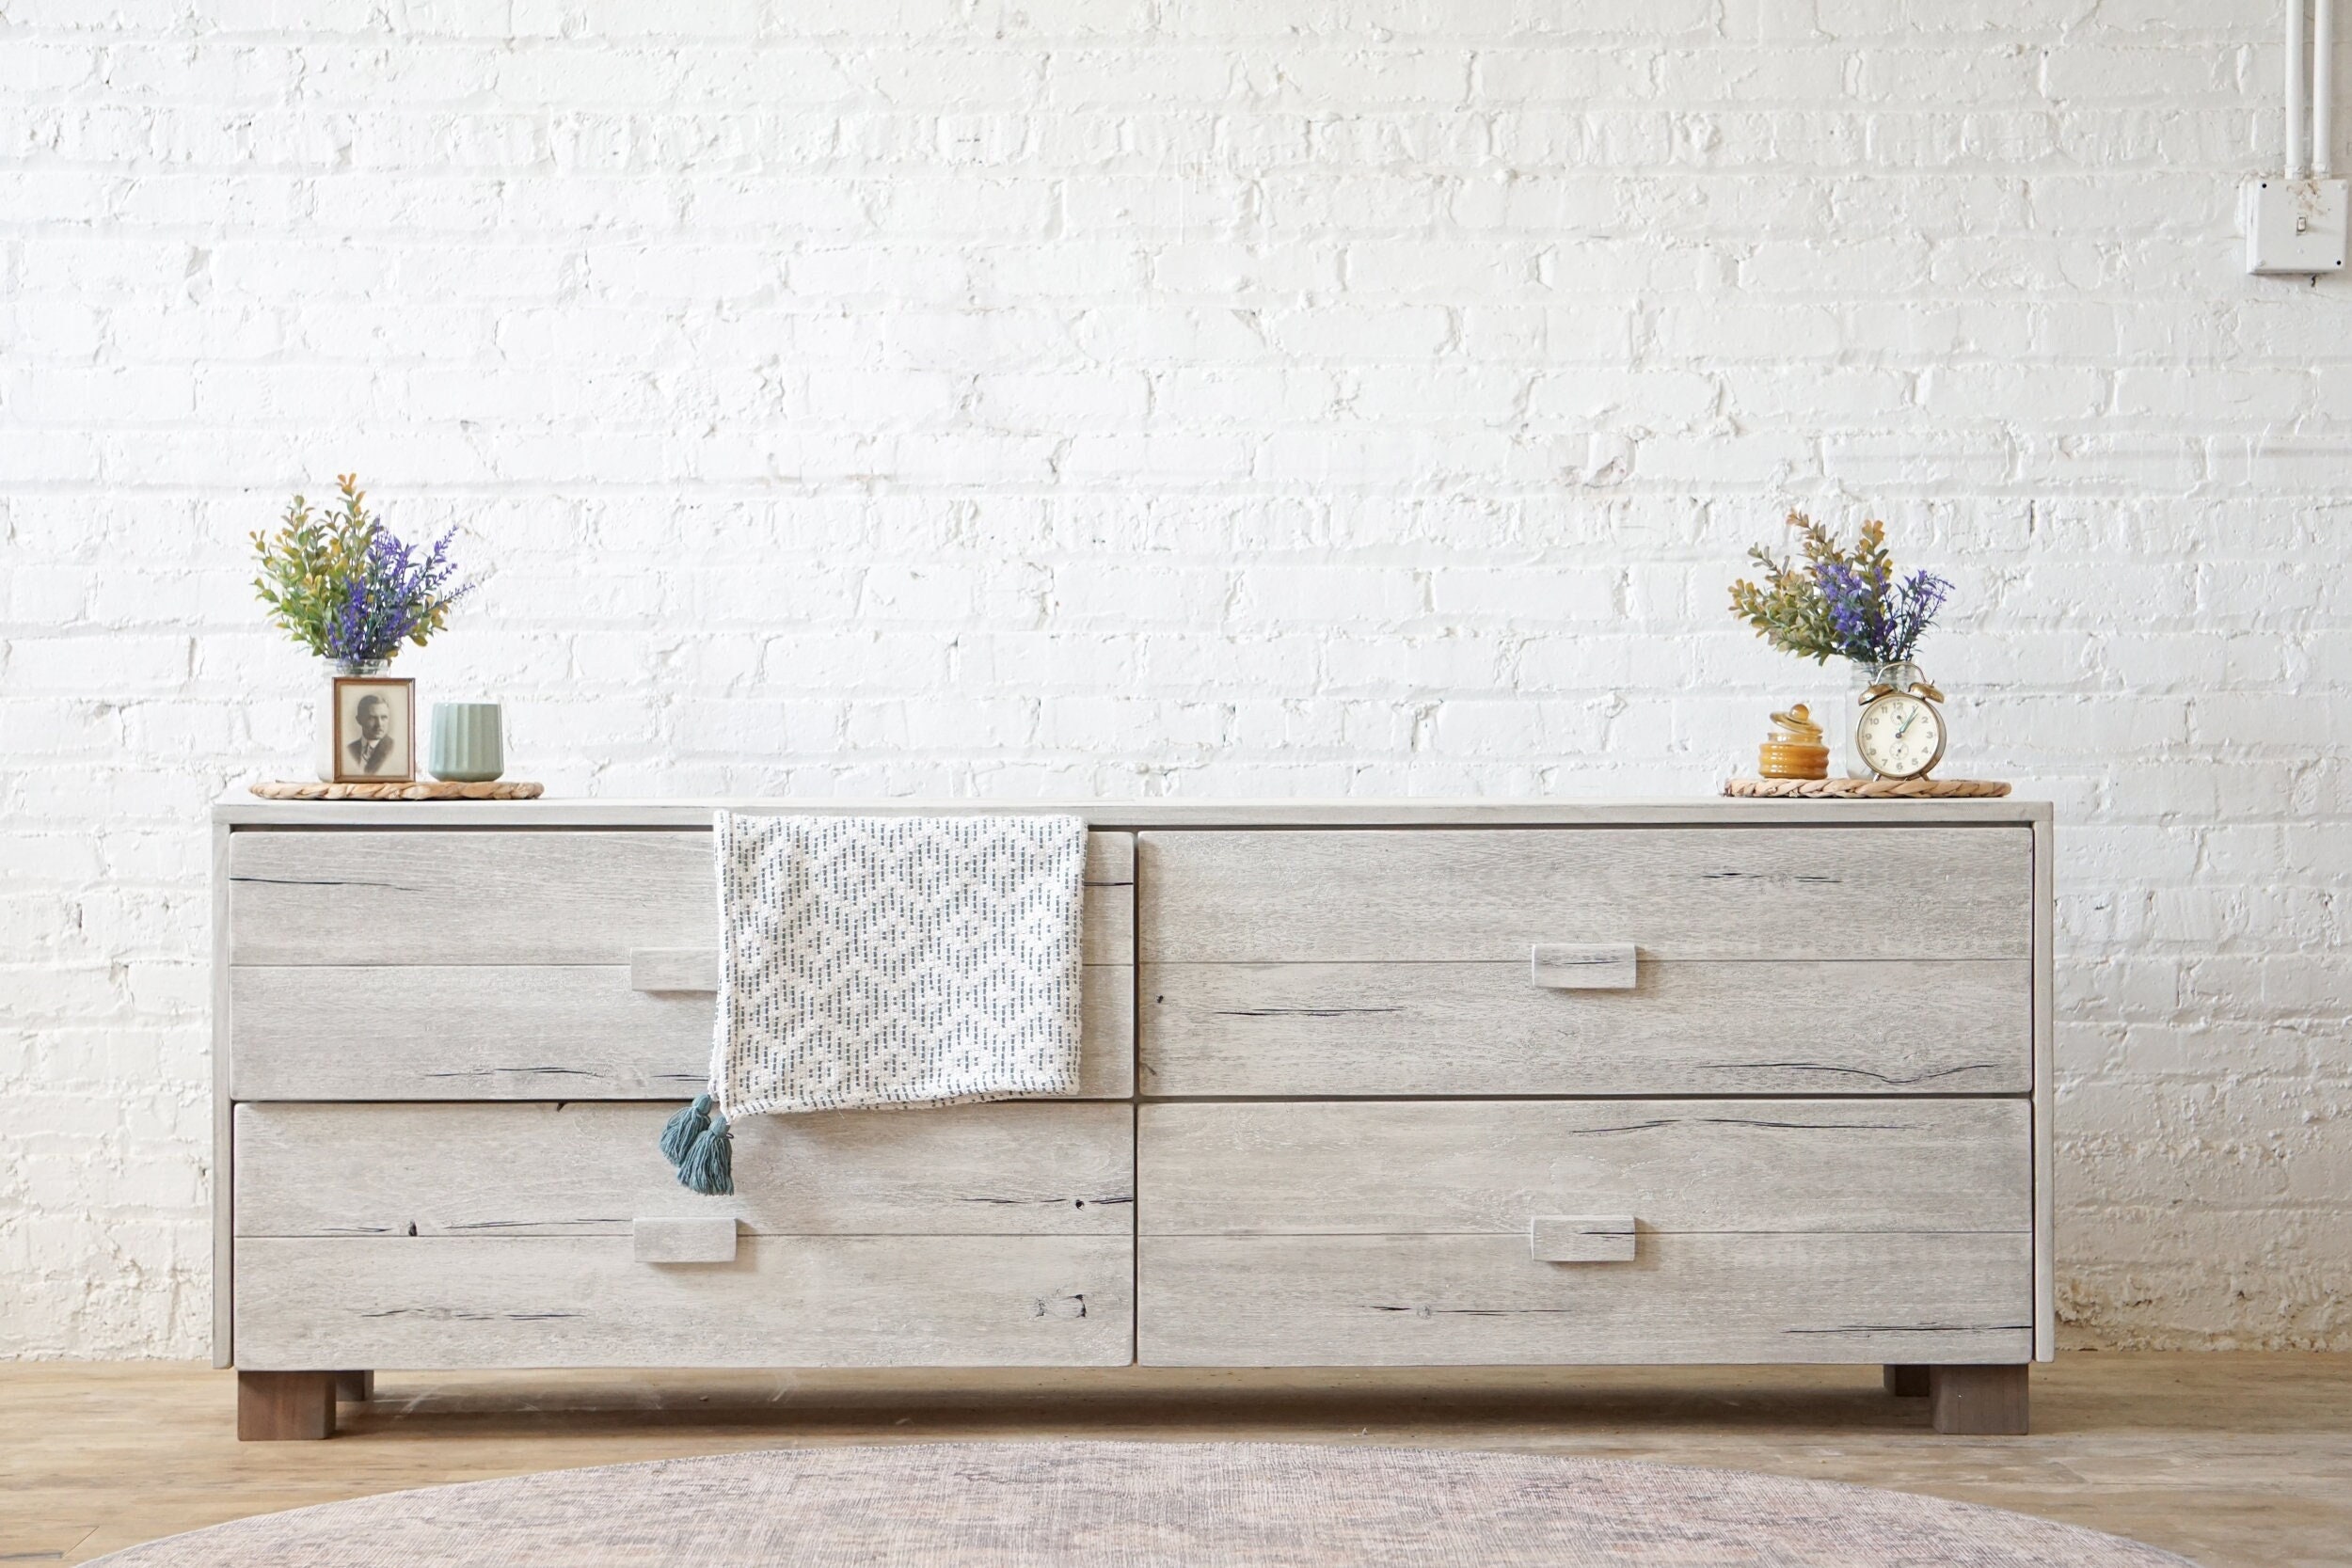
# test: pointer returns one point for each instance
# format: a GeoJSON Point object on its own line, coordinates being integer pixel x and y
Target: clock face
{"type": "Point", "coordinates": [1900, 735]}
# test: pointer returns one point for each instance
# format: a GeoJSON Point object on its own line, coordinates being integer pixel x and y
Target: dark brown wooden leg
{"type": "Point", "coordinates": [1907, 1382]}
{"type": "Point", "coordinates": [280, 1406]}
{"type": "Point", "coordinates": [359, 1387]}
{"type": "Point", "coordinates": [1977, 1402]}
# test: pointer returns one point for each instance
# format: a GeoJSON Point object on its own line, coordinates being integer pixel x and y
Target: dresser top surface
{"type": "Point", "coordinates": [244, 811]}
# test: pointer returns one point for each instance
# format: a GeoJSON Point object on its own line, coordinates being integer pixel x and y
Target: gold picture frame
{"type": "Point", "coordinates": [387, 753]}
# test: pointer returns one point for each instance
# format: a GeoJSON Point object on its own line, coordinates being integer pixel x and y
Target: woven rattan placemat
{"type": "Point", "coordinates": [422, 789]}
{"type": "Point", "coordinates": [1865, 789]}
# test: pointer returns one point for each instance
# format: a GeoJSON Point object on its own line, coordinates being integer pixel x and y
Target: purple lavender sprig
{"type": "Point", "coordinates": [1877, 619]}
{"type": "Point", "coordinates": [397, 596]}
{"type": "Point", "coordinates": [1913, 611]}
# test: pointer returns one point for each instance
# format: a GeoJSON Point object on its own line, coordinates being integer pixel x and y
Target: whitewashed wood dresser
{"type": "Point", "coordinates": [1408, 1084]}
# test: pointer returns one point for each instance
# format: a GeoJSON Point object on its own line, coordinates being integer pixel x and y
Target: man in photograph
{"type": "Point", "coordinates": [371, 749]}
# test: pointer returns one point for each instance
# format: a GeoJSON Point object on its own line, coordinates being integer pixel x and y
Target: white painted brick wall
{"type": "Point", "coordinates": [1188, 397]}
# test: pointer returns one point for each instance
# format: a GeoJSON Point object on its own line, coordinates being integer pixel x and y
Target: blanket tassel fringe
{"type": "Point", "coordinates": [697, 1141]}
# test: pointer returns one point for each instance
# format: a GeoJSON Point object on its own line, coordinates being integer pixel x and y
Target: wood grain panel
{"type": "Point", "coordinates": [1489, 896]}
{"type": "Point", "coordinates": [443, 897]}
{"type": "Point", "coordinates": [588, 1169]}
{"type": "Point", "coordinates": [1402, 1301]}
{"type": "Point", "coordinates": [370, 897]}
{"type": "Point", "coordinates": [785, 1301]}
{"type": "Point", "coordinates": [1491, 1167]}
{"type": "Point", "coordinates": [2044, 1094]}
{"type": "Point", "coordinates": [223, 1194]}
{"type": "Point", "coordinates": [527, 1032]}
{"type": "Point", "coordinates": [1806, 1027]}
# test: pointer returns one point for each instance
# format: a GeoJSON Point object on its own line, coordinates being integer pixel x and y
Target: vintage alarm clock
{"type": "Point", "coordinates": [1900, 732]}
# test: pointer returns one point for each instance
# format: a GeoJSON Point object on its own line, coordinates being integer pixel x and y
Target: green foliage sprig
{"type": "Point", "coordinates": [307, 567]}
{"type": "Point", "coordinates": [1788, 609]}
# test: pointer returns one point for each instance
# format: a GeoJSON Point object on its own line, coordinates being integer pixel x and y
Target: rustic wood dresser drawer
{"type": "Point", "coordinates": [537, 1032]}
{"type": "Point", "coordinates": [1471, 1233]}
{"type": "Point", "coordinates": [486, 965]}
{"type": "Point", "coordinates": [1472, 896]}
{"type": "Point", "coordinates": [1480, 1301]}
{"type": "Point", "coordinates": [1016, 1167]}
{"type": "Point", "coordinates": [543, 897]}
{"type": "Point", "coordinates": [1722, 960]}
{"type": "Point", "coordinates": [782, 1301]}
{"type": "Point", "coordinates": [473, 1234]}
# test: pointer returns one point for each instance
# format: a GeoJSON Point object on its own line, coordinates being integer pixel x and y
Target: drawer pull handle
{"type": "Point", "coordinates": [1582, 1238]}
{"type": "Point", "coordinates": [703, 1239]}
{"type": "Point", "coordinates": [1582, 966]}
{"type": "Point", "coordinates": [674, 969]}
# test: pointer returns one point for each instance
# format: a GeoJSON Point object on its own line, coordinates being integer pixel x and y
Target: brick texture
{"type": "Point", "coordinates": [1199, 396]}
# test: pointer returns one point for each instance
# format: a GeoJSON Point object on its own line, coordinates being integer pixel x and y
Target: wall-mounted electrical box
{"type": "Point", "coordinates": [2295, 227]}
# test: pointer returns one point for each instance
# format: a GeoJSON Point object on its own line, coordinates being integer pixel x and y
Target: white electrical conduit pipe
{"type": "Point", "coordinates": [2298, 75]}
{"type": "Point", "coordinates": [2323, 86]}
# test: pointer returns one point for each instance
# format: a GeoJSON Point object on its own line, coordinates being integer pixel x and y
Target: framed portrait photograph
{"type": "Point", "coordinates": [375, 730]}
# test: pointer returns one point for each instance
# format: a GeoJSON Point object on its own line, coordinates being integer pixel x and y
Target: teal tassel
{"type": "Point", "coordinates": [708, 1167]}
{"type": "Point", "coordinates": [684, 1128]}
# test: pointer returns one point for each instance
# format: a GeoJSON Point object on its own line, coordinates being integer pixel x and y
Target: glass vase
{"type": "Point", "coordinates": [1866, 676]}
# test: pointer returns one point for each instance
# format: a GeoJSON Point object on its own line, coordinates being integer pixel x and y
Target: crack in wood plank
{"type": "Point", "coordinates": [1479, 1312]}
{"type": "Point", "coordinates": [451, 1314]}
{"type": "Point", "coordinates": [1854, 1071]}
{"type": "Point", "coordinates": [326, 882]}
{"type": "Point", "coordinates": [1740, 1121]}
{"type": "Point", "coordinates": [494, 1071]}
{"type": "Point", "coordinates": [1822, 878]}
{"type": "Point", "coordinates": [1805, 1125]}
{"type": "Point", "coordinates": [1910, 1329]}
{"type": "Point", "coordinates": [1294, 1012]}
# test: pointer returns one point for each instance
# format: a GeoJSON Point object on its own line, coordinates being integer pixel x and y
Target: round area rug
{"type": "Point", "coordinates": [1141, 1505]}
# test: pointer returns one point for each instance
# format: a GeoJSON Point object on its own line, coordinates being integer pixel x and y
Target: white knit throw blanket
{"type": "Point", "coordinates": [896, 960]}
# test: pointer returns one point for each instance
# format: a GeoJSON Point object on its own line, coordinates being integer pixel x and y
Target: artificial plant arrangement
{"type": "Point", "coordinates": [349, 589]}
{"type": "Point", "coordinates": [1839, 602]}
{"type": "Point", "coordinates": [1849, 602]}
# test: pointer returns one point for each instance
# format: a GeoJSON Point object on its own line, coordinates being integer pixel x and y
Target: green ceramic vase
{"type": "Point", "coordinates": [469, 742]}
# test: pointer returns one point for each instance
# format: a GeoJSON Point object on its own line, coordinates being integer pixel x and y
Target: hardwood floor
{"type": "Point", "coordinates": [2236, 1461]}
